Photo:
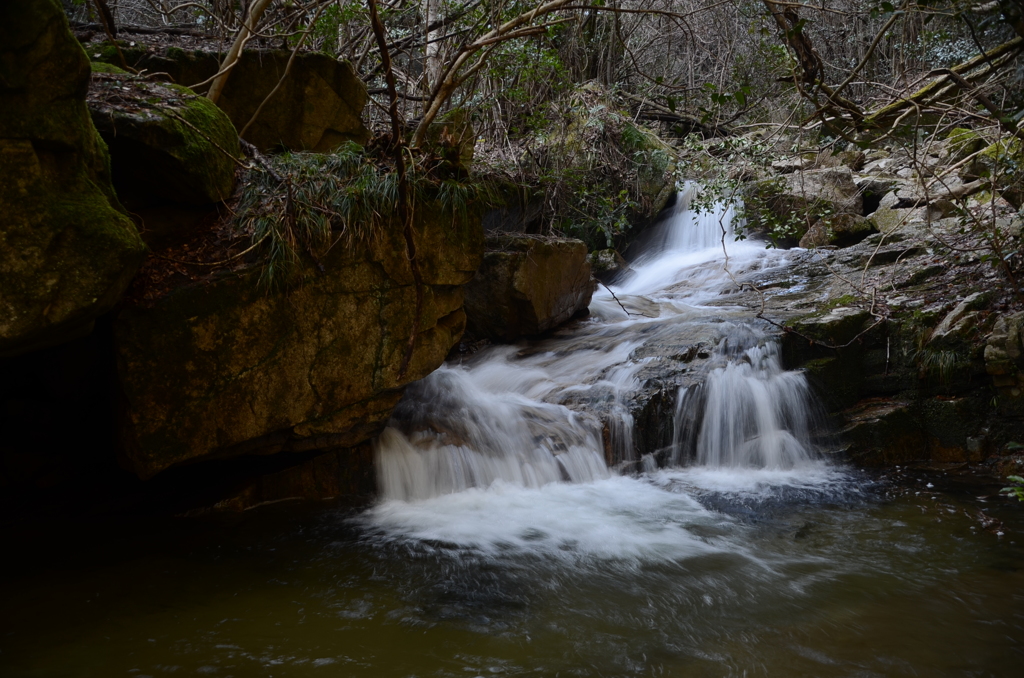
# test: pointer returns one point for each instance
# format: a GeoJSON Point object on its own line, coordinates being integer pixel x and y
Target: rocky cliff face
{"type": "Point", "coordinates": [909, 335]}
{"type": "Point", "coordinates": [67, 249]}
{"type": "Point", "coordinates": [224, 369]}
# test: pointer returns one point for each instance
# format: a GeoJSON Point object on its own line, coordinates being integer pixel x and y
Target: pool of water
{"type": "Point", "coordinates": [816, 571]}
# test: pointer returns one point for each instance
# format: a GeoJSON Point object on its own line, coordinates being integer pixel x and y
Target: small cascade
{"type": "Point", "coordinates": [453, 431]}
{"type": "Point", "coordinates": [689, 230]}
{"type": "Point", "coordinates": [559, 409]}
{"type": "Point", "coordinates": [750, 413]}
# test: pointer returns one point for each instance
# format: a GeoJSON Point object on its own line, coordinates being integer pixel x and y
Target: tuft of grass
{"type": "Point", "coordinates": [305, 203]}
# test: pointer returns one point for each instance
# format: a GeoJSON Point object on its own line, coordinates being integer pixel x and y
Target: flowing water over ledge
{"type": "Point", "coordinates": [505, 545]}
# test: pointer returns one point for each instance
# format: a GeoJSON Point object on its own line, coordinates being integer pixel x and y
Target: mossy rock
{"type": "Point", "coordinates": [1003, 162]}
{"type": "Point", "coordinates": [167, 144]}
{"type": "Point", "coordinates": [842, 230]}
{"type": "Point", "coordinates": [67, 249]}
{"type": "Point", "coordinates": [656, 166]}
{"type": "Point", "coordinates": [785, 207]}
{"type": "Point", "coordinates": [836, 326]}
{"type": "Point", "coordinates": [103, 67]}
{"type": "Point", "coordinates": [317, 108]}
{"type": "Point", "coordinates": [607, 264]}
{"type": "Point", "coordinates": [962, 142]}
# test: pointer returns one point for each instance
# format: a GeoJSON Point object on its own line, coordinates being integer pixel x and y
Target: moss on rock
{"type": "Point", "coordinates": [167, 143]}
{"type": "Point", "coordinates": [67, 250]}
{"type": "Point", "coordinates": [317, 107]}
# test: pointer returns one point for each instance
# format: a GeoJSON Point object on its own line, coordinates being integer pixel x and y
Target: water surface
{"type": "Point", "coordinates": [677, 573]}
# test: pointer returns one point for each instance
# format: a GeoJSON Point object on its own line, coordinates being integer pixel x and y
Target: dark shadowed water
{"type": "Point", "coordinates": [673, 574]}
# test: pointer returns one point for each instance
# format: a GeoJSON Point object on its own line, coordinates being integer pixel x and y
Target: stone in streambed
{"type": "Point", "coordinates": [527, 285]}
{"type": "Point", "coordinates": [607, 265]}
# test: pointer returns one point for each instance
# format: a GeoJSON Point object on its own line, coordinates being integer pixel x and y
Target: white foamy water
{"type": "Point", "coordinates": [510, 451]}
{"type": "Point", "coordinates": [615, 518]}
{"type": "Point", "coordinates": [756, 415]}
{"type": "Point", "coordinates": [815, 476]}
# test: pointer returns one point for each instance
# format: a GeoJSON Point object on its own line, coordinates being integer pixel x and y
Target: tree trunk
{"type": "Point", "coordinates": [255, 13]}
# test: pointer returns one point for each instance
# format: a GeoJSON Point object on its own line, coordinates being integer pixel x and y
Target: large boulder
{"type": "Point", "coordinates": [527, 285]}
{"type": "Point", "coordinates": [173, 153]}
{"type": "Point", "coordinates": [167, 144]}
{"type": "Point", "coordinates": [841, 230]}
{"type": "Point", "coordinates": [316, 108]}
{"type": "Point", "coordinates": [67, 249]}
{"type": "Point", "coordinates": [225, 368]}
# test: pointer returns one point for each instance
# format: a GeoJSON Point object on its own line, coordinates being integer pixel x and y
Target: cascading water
{"type": "Point", "coordinates": [748, 413]}
{"type": "Point", "coordinates": [555, 411]}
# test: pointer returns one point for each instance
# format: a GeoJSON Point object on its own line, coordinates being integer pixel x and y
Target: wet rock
{"type": "Point", "coordinates": [841, 230]}
{"type": "Point", "coordinates": [67, 249]}
{"type": "Point", "coordinates": [346, 473]}
{"type": "Point", "coordinates": [225, 369]}
{"type": "Point", "coordinates": [527, 285]}
{"type": "Point", "coordinates": [884, 432]}
{"type": "Point", "coordinates": [607, 265]}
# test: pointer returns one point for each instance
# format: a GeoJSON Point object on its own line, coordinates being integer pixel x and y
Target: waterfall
{"type": "Point", "coordinates": [455, 430]}
{"type": "Point", "coordinates": [751, 412]}
{"type": "Point", "coordinates": [558, 411]}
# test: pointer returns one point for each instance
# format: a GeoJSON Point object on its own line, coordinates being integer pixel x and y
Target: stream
{"type": "Point", "coordinates": [521, 531]}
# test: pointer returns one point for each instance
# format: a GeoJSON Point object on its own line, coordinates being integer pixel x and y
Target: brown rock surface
{"type": "Point", "coordinates": [527, 285]}
{"type": "Point", "coordinates": [67, 249]}
{"type": "Point", "coordinates": [225, 368]}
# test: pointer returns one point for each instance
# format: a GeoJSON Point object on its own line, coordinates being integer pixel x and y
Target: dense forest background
{"type": "Point", "coordinates": [560, 93]}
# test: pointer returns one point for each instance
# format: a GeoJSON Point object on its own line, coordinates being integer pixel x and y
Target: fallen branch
{"type": "Point", "coordinates": [628, 313]}
{"type": "Point", "coordinates": [996, 58]}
